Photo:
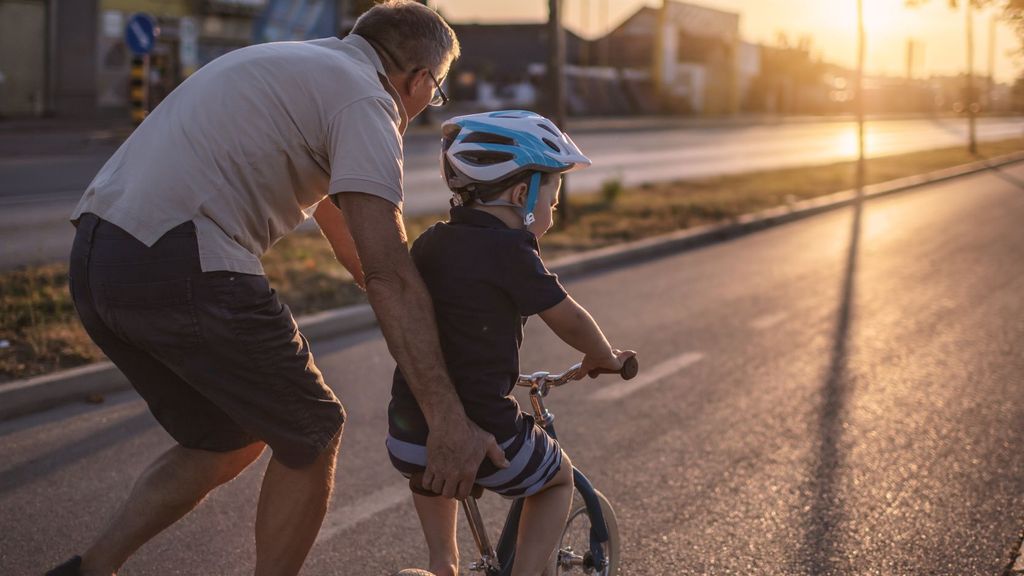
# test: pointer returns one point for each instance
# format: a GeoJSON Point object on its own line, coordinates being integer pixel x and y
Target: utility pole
{"type": "Point", "coordinates": [605, 44]}
{"type": "Point", "coordinates": [556, 84]}
{"type": "Point", "coordinates": [860, 100]}
{"type": "Point", "coordinates": [660, 60]}
{"type": "Point", "coordinates": [585, 31]}
{"type": "Point", "coordinates": [910, 59]}
{"type": "Point", "coordinates": [972, 145]}
{"type": "Point", "coordinates": [992, 30]}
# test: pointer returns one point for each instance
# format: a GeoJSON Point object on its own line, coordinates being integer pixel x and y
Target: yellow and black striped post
{"type": "Point", "coordinates": [139, 87]}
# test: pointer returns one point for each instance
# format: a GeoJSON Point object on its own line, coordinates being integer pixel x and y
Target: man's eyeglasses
{"type": "Point", "coordinates": [440, 98]}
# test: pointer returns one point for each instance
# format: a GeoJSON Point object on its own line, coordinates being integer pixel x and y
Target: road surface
{"type": "Point", "coordinates": [839, 395]}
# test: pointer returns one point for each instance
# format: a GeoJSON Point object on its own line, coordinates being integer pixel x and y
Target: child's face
{"type": "Point", "coordinates": [547, 201]}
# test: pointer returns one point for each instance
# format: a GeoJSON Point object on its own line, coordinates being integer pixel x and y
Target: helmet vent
{"type": "Point", "coordinates": [488, 138]}
{"type": "Point", "coordinates": [484, 157]}
{"type": "Point", "coordinates": [548, 128]}
{"type": "Point", "coordinates": [551, 145]}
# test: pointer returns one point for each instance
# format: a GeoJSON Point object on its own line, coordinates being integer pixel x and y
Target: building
{"type": "Point", "coordinates": [504, 65]}
{"type": "Point", "coordinates": [192, 33]}
{"type": "Point", "coordinates": [42, 51]}
{"type": "Point", "coordinates": [694, 55]}
{"type": "Point", "coordinates": [69, 58]}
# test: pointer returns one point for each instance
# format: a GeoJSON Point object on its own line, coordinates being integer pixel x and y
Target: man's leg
{"type": "Point", "coordinates": [167, 490]}
{"type": "Point", "coordinates": [292, 505]}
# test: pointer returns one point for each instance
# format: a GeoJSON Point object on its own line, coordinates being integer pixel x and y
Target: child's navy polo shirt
{"type": "Point", "coordinates": [485, 279]}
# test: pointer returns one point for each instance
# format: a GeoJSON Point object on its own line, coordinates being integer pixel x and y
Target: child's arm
{"type": "Point", "coordinates": [574, 325]}
{"type": "Point", "coordinates": [334, 227]}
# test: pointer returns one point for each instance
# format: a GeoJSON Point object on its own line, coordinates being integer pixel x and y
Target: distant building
{"type": "Point", "coordinates": [792, 81]}
{"type": "Point", "coordinates": [47, 57]}
{"type": "Point", "coordinates": [192, 33]}
{"type": "Point", "coordinates": [704, 65]}
{"type": "Point", "coordinates": [69, 58]}
{"type": "Point", "coordinates": [503, 65]}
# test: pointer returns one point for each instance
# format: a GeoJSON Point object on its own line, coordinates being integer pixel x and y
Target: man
{"type": "Point", "coordinates": [166, 277]}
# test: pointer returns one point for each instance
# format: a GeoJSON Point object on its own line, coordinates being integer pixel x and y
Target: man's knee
{"type": "Point", "coordinates": [227, 465]}
{"type": "Point", "coordinates": [239, 460]}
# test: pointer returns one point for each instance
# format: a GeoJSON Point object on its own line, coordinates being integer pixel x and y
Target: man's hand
{"type": "Point", "coordinates": [455, 449]}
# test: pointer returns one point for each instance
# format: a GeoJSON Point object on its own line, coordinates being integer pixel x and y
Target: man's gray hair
{"type": "Point", "coordinates": [410, 32]}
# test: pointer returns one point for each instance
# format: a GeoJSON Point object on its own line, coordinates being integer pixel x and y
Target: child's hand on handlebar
{"type": "Point", "coordinates": [610, 363]}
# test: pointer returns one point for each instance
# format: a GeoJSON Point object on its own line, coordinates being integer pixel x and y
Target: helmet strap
{"type": "Point", "coordinates": [531, 199]}
{"type": "Point", "coordinates": [498, 202]}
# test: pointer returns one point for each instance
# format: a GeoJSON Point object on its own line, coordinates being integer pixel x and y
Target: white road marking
{"type": "Point", "coordinates": [648, 376]}
{"type": "Point", "coordinates": [341, 519]}
{"type": "Point", "coordinates": [766, 322]}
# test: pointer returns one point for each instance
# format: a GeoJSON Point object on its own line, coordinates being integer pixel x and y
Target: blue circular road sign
{"type": "Point", "coordinates": [140, 33]}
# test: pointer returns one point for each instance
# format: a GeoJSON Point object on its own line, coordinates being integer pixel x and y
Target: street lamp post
{"type": "Point", "coordinates": [860, 99]}
{"type": "Point", "coordinates": [556, 85]}
{"type": "Point", "coordinates": [972, 146]}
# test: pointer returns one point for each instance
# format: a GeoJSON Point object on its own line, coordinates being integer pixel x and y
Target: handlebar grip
{"type": "Point", "coordinates": [630, 368]}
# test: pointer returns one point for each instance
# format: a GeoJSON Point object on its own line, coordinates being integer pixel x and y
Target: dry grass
{"type": "Point", "coordinates": [39, 324]}
{"type": "Point", "coordinates": [43, 333]}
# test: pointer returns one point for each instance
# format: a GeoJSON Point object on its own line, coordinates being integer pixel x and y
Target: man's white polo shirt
{"type": "Point", "coordinates": [246, 146]}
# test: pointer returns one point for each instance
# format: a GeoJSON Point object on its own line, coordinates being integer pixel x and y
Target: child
{"type": "Point", "coordinates": [485, 276]}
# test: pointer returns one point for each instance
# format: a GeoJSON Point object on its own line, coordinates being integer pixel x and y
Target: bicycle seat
{"type": "Point", "coordinates": [416, 485]}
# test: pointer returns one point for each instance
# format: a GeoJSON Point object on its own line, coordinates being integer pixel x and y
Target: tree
{"type": "Point", "coordinates": [969, 105]}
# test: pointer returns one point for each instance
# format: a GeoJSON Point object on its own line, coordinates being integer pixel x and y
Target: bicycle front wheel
{"type": "Point", "coordinates": [574, 555]}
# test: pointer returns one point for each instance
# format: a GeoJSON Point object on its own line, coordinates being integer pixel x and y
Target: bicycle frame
{"type": "Point", "coordinates": [499, 562]}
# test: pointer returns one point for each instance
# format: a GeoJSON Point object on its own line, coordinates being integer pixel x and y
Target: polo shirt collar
{"type": "Point", "coordinates": [367, 50]}
{"type": "Point", "coordinates": [473, 217]}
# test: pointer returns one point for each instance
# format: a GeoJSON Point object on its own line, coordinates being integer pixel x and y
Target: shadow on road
{"type": "Point", "coordinates": [1000, 173]}
{"type": "Point", "coordinates": [821, 547]}
{"type": "Point", "coordinates": [68, 454]}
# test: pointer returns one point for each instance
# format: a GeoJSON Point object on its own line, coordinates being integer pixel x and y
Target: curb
{"type": "Point", "coordinates": [90, 383]}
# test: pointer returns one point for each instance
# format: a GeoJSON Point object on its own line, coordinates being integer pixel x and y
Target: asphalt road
{"type": "Point", "coordinates": [38, 193]}
{"type": "Point", "coordinates": [839, 395]}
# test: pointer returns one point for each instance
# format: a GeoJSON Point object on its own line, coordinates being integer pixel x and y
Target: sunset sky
{"type": "Point", "coordinates": [831, 23]}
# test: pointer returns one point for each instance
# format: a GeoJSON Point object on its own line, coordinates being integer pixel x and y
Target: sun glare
{"type": "Point", "coordinates": [881, 17]}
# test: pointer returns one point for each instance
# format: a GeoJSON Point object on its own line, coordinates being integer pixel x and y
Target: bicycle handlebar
{"type": "Point", "coordinates": [629, 370]}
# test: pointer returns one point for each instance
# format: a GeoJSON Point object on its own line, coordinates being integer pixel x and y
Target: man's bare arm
{"type": "Point", "coordinates": [334, 227]}
{"type": "Point", "coordinates": [456, 446]}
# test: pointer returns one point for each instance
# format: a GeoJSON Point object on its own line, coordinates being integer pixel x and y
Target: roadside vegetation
{"type": "Point", "coordinates": [40, 333]}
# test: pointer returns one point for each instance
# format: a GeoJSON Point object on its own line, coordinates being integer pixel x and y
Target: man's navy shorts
{"type": "Point", "coordinates": [218, 358]}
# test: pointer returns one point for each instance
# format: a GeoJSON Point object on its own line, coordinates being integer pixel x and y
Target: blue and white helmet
{"type": "Point", "coordinates": [479, 150]}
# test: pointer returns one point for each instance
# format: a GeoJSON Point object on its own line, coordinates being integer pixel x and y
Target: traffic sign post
{"type": "Point", "coordinates": [140, 35]}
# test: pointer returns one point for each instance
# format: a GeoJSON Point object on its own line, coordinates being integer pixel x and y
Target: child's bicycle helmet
{"type": "Point", "coordinates": [483, 154]}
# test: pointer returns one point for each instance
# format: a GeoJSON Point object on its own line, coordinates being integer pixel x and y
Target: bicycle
{"type": "Point", "coordinates": [590, 539]}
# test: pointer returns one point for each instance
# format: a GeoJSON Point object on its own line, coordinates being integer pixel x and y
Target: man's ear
{"type": "Point", "coordinates": [416, 78]}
